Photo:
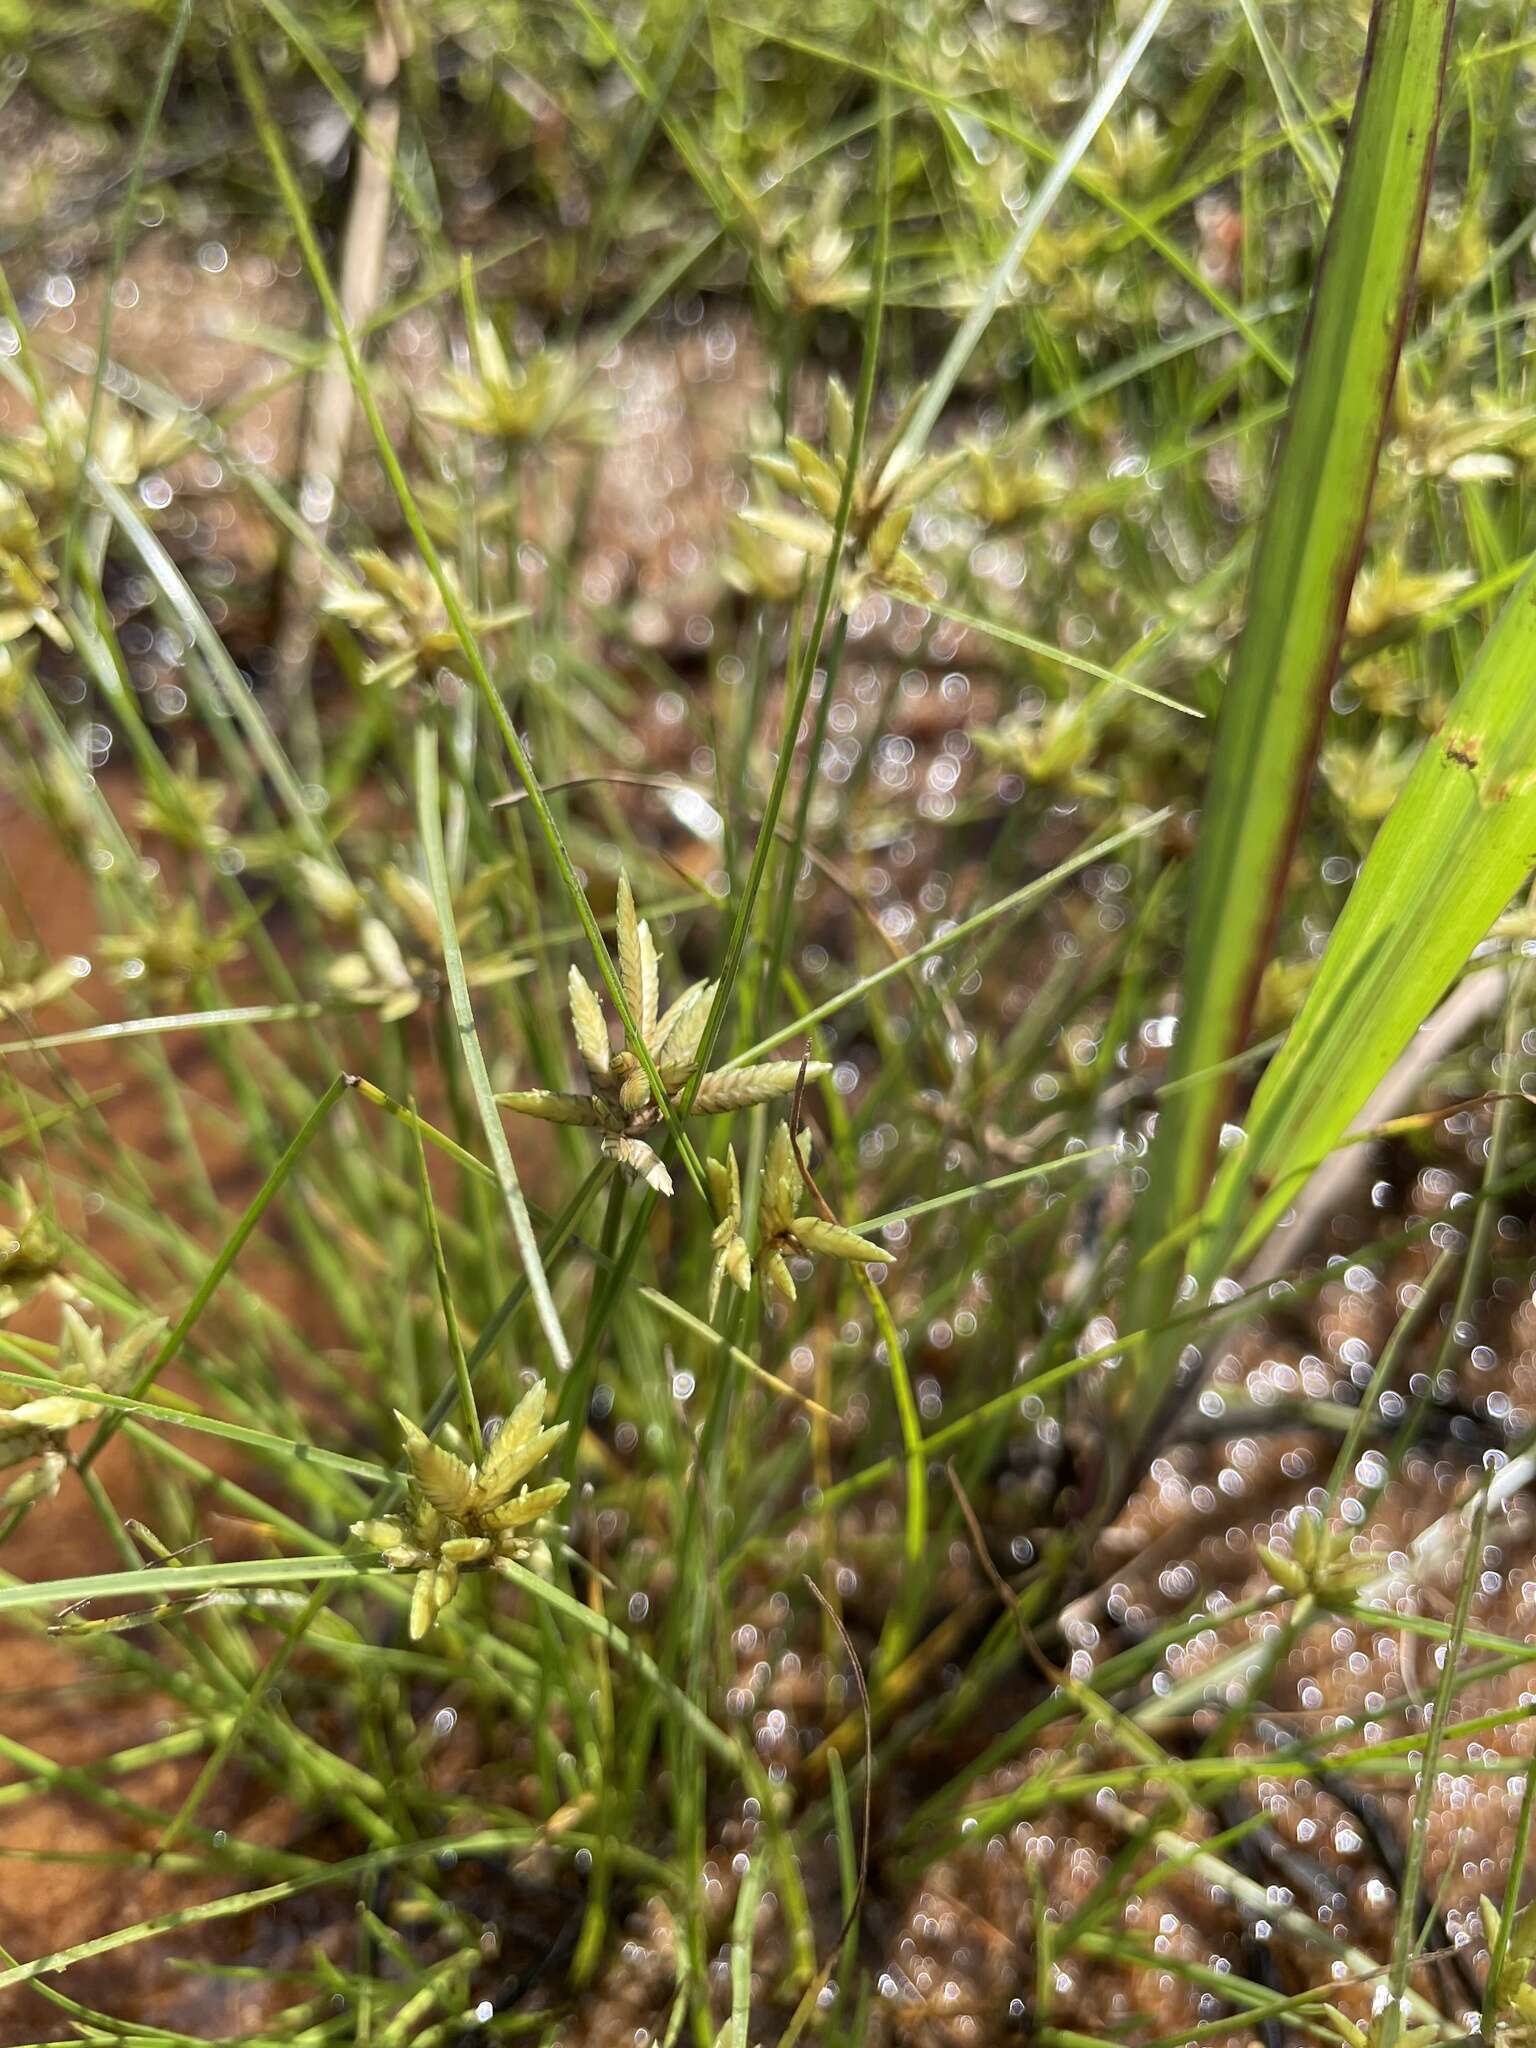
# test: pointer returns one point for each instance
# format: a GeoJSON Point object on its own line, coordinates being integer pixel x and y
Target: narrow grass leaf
{"type": "Point", "coordinates": [286, 1450]}
{"type": "Point", "coordinates": [1011, 636]}
{"type": "Point", "coordinates": [1308, 549]}
{"type": "Point", "coordinates": [156, 1027]}
{"type": "Point", "coordinates": [389, 460]}
{"type": "Point", "coordinates": [430, 825]}
{"type": "Point", "coordinates": [230, 1251]}
{"type": "Point", "coordinates": [1454, 849]}
{"type": "Point", "coordinates": [1017, 899]}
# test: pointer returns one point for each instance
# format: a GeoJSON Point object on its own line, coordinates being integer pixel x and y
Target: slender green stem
{"type": "Point", "coordinates": [461, 1373]}
{"type": "Point", "coordinates": [1406, 1932]}
{"type": "Point", "coordinates": [458, 619]}
{"type": "Point", "coordinates": [430, 824]}
{"type": "Point", "coordinates": [233, 1246]}
{"type": "Point", "coordinates": [895, 1637]}
{"type": "Point", "coordinates": [127, 217]}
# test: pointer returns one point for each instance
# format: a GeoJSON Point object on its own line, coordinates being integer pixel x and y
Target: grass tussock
{"type": "Point", "coordinates": [731, 740]}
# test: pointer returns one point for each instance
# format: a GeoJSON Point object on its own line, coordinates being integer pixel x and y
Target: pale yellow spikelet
{"type": "Point", "coordinates": [631, 969]}
{"type": "Point", "coordinates": [552, 1107]}
{"type": "Point", "coordinates": [742, 1087]}
{"type": "Point", "coordinates": [516, 1448]}
{"type": "Point", "coordinates": [445, 1479]}
{"type": "Point", "coordinates": [525, 1507]}
{"type": "Point", "coordinates": [588, 1025]}
{"type": "Point", "coordinates": [833, 1241]}
{"type": "Point", "coordinates": [681, 1029]}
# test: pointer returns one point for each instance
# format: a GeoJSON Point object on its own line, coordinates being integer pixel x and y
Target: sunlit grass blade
{"type": "Point", "coordinates": [126, 217]}
{"type": "Point", "coordinates": [996, 629]}
{"type": "Point", "coordinates": [158, 1581]}
{"type": "Point", "coordinates": [284, 1450]}
{"type": "Point", "coordinates": [153, 1027]}
{"type": "Point", "coordinates": [736, 2035]}
{"type": "Point", "coordinates": [298, 213]}
{"type": "Point", "coordinates": [623, 285]}
{"type": "Point", "coordinates": [1309, 545]}
{"type": "Point", "coordinates": [239, 698]}
{"type": "Point", "coordinates": [1305, 134]}
{"type": "Point", "coordinates": [1451, 854]}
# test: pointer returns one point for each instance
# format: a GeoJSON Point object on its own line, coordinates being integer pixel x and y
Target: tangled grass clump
{"type": "Point", "coordinates": [968, 518]}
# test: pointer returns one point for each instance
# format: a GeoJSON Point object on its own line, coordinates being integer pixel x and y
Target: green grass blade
{"type": "Point", "coordinates": [208, 1286]}
{"type": "Point", "coordinates": [239, 696]}
{"type": "Point", "coordinates": [1406, 1933]}
{"type": "Point", "coordinates": [1307, 138]}
{"type": "Point", "coordinates": [1012, 637]}
{"type": "Point", "coordinates": [389, 460]}
{"type": "Point", "coordinates": [940, 387]}
{"type": "Point", "coordinates": [430, 824]}
{"type": "Point", "coordinates": [175, 1580]}
{"type": "Point", "coordinates": [156, 1027]}
{"type": "Point", "coordinates": [286, 1450]}
{"type": "Point", "coordinates": [1016, 900]}
{"type": "Point", "coordinates": [1309, 545]}
{"type": "Point", "coordinates": [1453, 850]}
{"type": "Point", "coordinates": [736, 2034]}
{"type": "Point", "coordinates": [465, 1386]}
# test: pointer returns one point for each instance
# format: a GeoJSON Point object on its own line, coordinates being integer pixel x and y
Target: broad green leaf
{"type": "Point", "coordinates": [1454, 848]}
{"type": "Point", "coordinates": [1309, 544]}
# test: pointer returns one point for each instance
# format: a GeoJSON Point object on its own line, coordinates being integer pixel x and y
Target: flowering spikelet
{"type": "Point", "coordinates": [1321, 1562]}
{"type": "Point", "coordinates": [463, 1516]}
{"type": "Point", "coordinates": [35, 1425]}
{"type": "Point", "coordinates": [621, 1104]}
{"type": "Point", "coordinates": [797, 513]}
{"type": "Point", "coordinates": [544, 396]}
{"type": "Point", "coordinates": [732, 1259]}
{"type": "Point", "coordinates": [165, 952]}
{"type": "Point", "coordinates": [782, 1233]}
{"type": "Point", "coordinates": [31, 1252]}
{"type": "Point", "coordinates": [28, 979]}
{"type": "Point", "coordinates": [395, 960]}
{"type": "Point", "coordinates": [400, 608]}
